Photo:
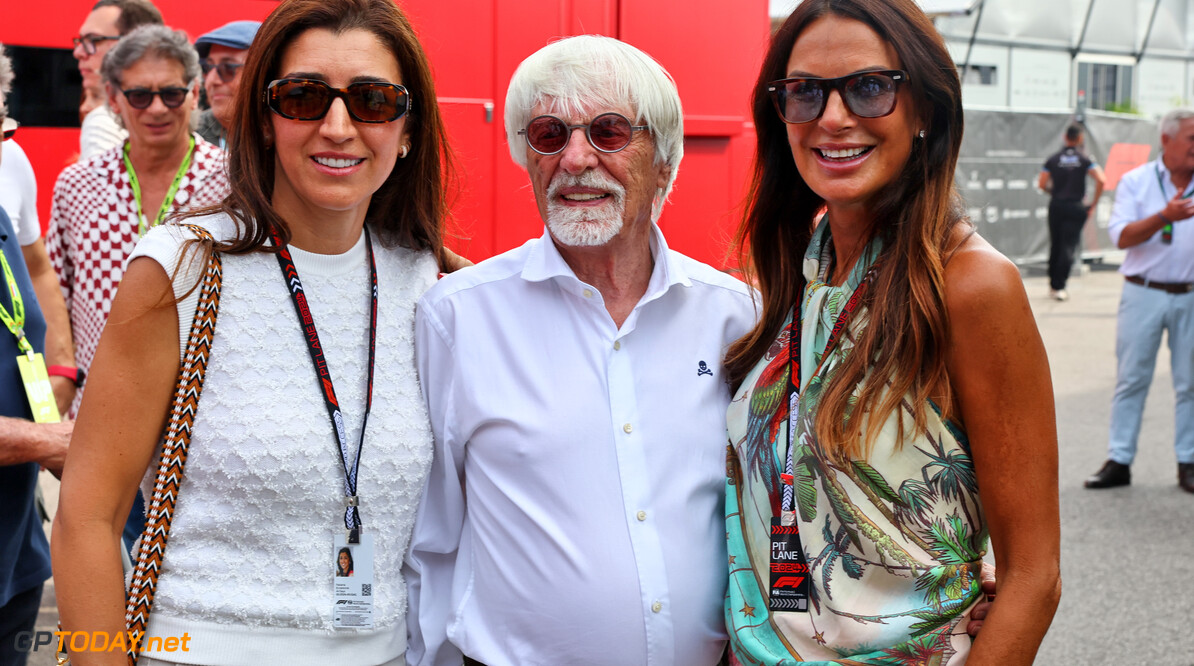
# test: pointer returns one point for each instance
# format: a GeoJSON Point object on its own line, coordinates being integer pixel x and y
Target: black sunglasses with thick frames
{"type": "Point", "coordinates": [310, 99]}
{"type": "Point", "coordinates": [866, 94]}
{"type": "Point", "coordinates": [88, 42]}
{"type": "Point", "coordinates": [142, 98]}
{"type": "Point", "coordinates": [608, 133]}
{"type": "Point", "coordinates": [227, 71]}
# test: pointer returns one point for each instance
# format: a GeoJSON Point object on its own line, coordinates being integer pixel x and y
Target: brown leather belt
{"type": "Point", "coordinates": [1167, 287]}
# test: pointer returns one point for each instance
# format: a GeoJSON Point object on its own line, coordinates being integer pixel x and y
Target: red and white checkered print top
{"type": "Point", "coordinates": [93, 229]}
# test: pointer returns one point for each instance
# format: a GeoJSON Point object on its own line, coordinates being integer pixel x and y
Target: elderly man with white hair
{"type": "Point", "coordinates": [1151, 220]}
{"type": "Point", "coordinates": [573, 510]}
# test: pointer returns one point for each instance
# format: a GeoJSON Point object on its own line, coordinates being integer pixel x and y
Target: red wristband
{"type": "Point", "coordinates": [76, 375]}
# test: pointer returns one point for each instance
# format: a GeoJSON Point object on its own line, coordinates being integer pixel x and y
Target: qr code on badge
{"type": "Point", "coordinates": [366, 589]}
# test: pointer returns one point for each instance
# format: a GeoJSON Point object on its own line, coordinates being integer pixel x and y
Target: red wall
{"type": "Point", "coordinates": [712, 49]}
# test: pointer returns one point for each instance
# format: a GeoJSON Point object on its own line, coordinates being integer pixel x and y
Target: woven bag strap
{"type": "Point", "coordinates": [160, 508]}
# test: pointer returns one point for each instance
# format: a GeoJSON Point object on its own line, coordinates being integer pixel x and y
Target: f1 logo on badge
{"type": "Point", "coordinates": [788, 581]}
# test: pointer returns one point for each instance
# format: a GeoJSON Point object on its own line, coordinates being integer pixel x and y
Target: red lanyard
{"type": "Point", "coordinates": [352, 515]}
{"type": "Point", "coordinates": [794, 335]}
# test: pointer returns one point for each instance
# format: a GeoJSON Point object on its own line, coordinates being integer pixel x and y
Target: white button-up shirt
{"type": "Point", "coordinates": [1142, 192]}
{"type": "Point", "coordinates": [574, 510]}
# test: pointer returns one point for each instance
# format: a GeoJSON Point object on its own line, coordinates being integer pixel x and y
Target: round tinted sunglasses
{"type": "Point", "coordinates": [866, 95]}
{"type": "Point", "coordinates": [227, 71]}
{"type": "Point", "coordinates": [142, 98]}
{"type": "Point", "coordinates": [608, 132]}
{"type": "Point", "coordinates": [310, 99]}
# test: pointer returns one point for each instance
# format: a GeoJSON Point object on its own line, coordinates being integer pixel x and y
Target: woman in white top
{"type": "Point", "coordinates": [336, 154]}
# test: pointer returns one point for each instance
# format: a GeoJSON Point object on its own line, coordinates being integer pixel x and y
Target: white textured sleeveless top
{"type": "Point", "coordinates": [249, 568]}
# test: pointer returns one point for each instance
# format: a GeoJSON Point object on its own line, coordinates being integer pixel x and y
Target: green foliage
{"type": "Point", "coordinates": [806, 488]}
{"type": "Point", "coordinates": [875, 481]}
{"type": "Point", "coordinates": [1123, 107]}
{"type": "Point", "coordinates": [951, 543]}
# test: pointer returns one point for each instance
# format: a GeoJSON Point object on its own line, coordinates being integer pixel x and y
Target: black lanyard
{"type": "Point", "coordinates": [794, 335]}
{"type": "Point", "coordinates": [352, 514]}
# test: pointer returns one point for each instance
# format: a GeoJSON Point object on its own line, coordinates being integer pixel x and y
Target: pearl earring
{"type": "Point", "coordinates": [921, 134]}
{"type": "Point", "coordinates": [402, 154]}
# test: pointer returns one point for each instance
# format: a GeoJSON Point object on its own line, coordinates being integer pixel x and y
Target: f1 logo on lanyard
{"type": "Point", "coordinates": [789, 568]}
{"type": "Point", "coordinates": [790, 580]}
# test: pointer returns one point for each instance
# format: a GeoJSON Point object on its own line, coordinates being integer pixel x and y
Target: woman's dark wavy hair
{"type": "Point", "coordinates": [904, 344]}
{"type": "Point", "coordinates": [410, 207]}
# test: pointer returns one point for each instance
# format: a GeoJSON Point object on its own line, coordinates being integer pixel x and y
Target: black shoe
{"type": "Point", "coordinates": [1114, 474]}
{"type": "Point", "coordinates": [1185, 476]}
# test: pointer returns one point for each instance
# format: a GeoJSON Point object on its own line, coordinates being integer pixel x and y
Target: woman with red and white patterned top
{"type": "Point", "coordinates": [102, 205]}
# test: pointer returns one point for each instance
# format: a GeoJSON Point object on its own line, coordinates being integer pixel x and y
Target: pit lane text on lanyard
{"type": "Point", "coordinates": [31, 365]}
{"type": "Point", "coordinates": [790, 577]}
{"type": "Point", "coordinates": [353, 594]}
{"type": "Point", "coordinates": [167, 201]}
{"type": "Point", "coordinates": [1167, 230]}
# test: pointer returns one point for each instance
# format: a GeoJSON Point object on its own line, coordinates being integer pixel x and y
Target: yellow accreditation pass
{"type": "Point", "coordinates": [37, 388]}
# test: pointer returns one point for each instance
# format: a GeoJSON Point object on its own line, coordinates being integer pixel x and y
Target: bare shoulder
{"type": "Point", "coordinates": [979, 281]}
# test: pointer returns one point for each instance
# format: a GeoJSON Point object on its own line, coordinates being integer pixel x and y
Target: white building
{"type": "Point", "coordinates": [1034, 55]}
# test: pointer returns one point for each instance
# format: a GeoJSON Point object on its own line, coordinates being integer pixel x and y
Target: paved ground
{"type": "Point", "coordinates": [1127, 553]}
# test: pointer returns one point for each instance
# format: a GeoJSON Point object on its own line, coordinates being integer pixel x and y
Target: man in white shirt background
{"type": "Point", "coordinates": [108, 21]}
{"type": "Point", "coordinates": [574, 511]}
{"type": "Point", "coordinates": [1151, 220]}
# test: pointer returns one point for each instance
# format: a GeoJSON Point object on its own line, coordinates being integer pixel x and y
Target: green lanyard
{"type": "Point", "coordinates": [1167, 230]}
{"type": "Point", "coordinates": [15, 321]}
{"type": "Point", "coordinates": [168, 200]}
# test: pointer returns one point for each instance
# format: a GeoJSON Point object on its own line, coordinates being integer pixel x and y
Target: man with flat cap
{"type": "Point", "coordinates": [222, 54]}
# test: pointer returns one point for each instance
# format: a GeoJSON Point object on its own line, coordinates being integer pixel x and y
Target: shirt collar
{"type": "Point", "coordinates": [1165, 181]}
{"type": "Point", "coordinates": [545, 262]}
{"type": "Point", "coordinates": [1162, 169]}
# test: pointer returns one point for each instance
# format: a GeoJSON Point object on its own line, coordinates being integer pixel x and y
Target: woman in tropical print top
{"type": "Point", "coordinates": [894, 410]}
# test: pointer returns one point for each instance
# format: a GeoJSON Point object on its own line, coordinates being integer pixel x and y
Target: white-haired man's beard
{"type": "Point", "coordinates": [585, 226]}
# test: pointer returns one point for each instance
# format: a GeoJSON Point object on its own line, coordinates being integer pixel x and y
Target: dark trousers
{"type": "Point", "coordinates": [1065, 230]}
{"type": "Point", "coordinates": [16, 616]}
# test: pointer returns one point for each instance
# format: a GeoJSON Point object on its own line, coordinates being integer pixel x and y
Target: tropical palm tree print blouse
{"type": "Point", "coordinates": [893, 543]}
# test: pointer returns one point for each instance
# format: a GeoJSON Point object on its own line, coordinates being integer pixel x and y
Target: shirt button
{"type": "Point", "coordinates": [656, 607]}
{"type": "Point", "coordinates": [641, 515]}
{"type": "Point", "coordinates": [588, 293]}
{"type": "Point", "coordinates": [627, 428]}
{"type": "Point", "coordinates": [617, 345]}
